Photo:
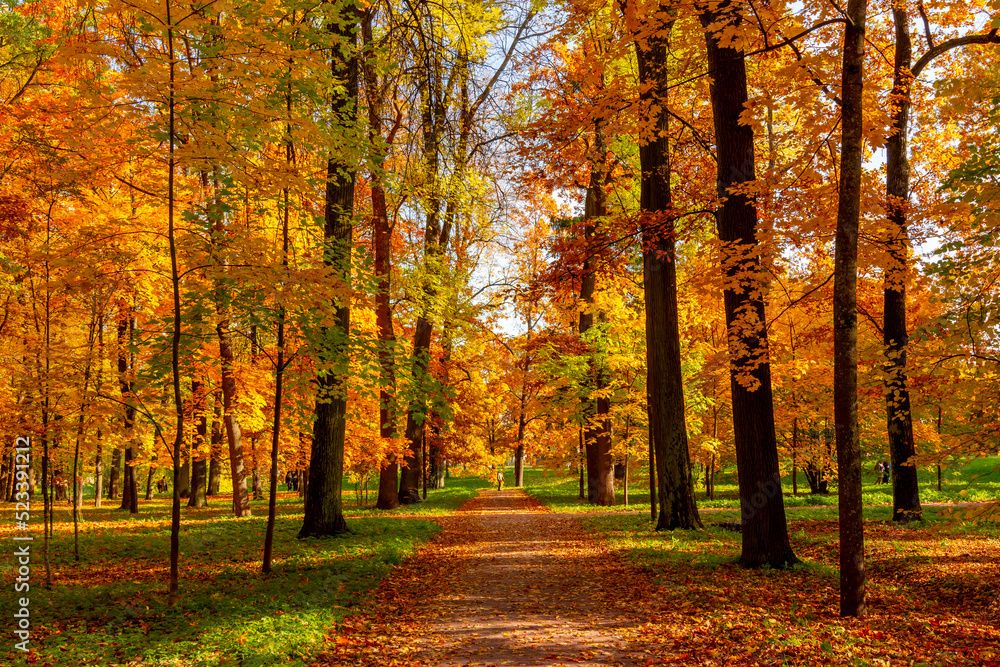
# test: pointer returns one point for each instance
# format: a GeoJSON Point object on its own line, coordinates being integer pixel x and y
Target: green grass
{"type": "Point", "coordinates": [439, 501]}
{"type": "Point", "coordinates": [110, 608]}
{"type": "Point", "coordinates": [973, 481]}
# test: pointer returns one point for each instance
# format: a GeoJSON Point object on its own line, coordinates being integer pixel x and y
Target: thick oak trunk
{"type": "Point", "coordinates": [665, 392]}
{"type": "Point", "coordinates": [323, 503]}
{"type": "Point", "coordinates": [765, 532]}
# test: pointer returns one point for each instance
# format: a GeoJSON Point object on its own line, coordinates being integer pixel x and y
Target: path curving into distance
{"type": "Point", "coordinates": [506, 583]}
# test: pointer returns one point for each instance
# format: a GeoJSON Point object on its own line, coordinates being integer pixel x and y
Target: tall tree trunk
{"type": "Point", "coordinates": [597, 430]}
{"type": "Point", "coordinates": [234, 435]}
{"type": "Point", "coordinates": [795, 453]}
{"type": "Point", "coordinates": [435, 242]}
{"type": "Point", "coordinates": [214, 465]}
{"type": "Point", "coordinates": [279, 364]}
{"type": "Point", "coordinates": [175, 340]}
{"type": "Point", "coordinates": [845, 318]}
{"type": "Point", "coordinates": [323, 507]}
{"type": "Point", "coordinates": [665, 408]}
{"type": "Point", "coordinates": [184, 481]}
{"type": "Point", "coordinates": [199, 461]}
{"type": "Point", "coordinates": [519, 450]}
{"type": "Point", "coordinates": [652, 454]}
{"type": "Point", "coordinates": [116, 463]}
{"type": "Point", "coordinates": [149, 482]}
{"type": "Point", "coordinates": [762, 509]}
{"type": "Point", "coordinates": [899, 424]}
{"type": "Point", "coordinates": [98, 472]}
{"type": "Point", "coordinates": [130, 487]}
{"type": "Point", "coordinates": [388, 485]}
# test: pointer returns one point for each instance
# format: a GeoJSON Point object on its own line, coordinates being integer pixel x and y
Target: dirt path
{"type": "Point", "coordinates": [508, 584]}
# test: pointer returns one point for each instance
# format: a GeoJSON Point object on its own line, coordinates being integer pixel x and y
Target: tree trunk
{"type": "Point", "coordinates": [323, 506]}
{"type": "Point", "coordinates": [149, 482]}
{"type": "Point", "coordinates": [175, 340]}
{"type": "Point", "coordinates": [899, 424]}
{"type": "Point", "coordinates": [234, 435]}
{"type": "Point", "coordinates": [519, 450]}
{"type": "Point", "coordinates": [597, 432]}
{"type": "Point", "coordinates": [388, 489]}
{"type": "Point", "coordinates": [652, 454]}
{"type": "Point", "coordinates": [184, 479]}
{"type": "Point", "coordinates": [130, 487]}
{"type": "Point", "coordinates": [762, 509]}
{"type": "Point", "coordinates": [199, 465]}
{"type": "Point", "coordinates": [795, 453]}
{"type": "Point", "coordinates": [665, 408]}
{"type": "Point", "coordinates": [116, 462]}
{"type": "Point", "coordinates": [214, 465]}
{"type": "Point", "coordinates": [98, 472]}
{"type": "Point", "coordinates": [279, 364]}
{"type": "Point", "coordinates": [845, 319]}
{"type": "Point", "coordinates": [436, 238]}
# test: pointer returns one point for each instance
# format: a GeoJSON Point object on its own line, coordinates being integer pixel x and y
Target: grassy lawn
{"type": "Point", "coordinates": [931, 592]}
{"type": "Point", "coordinates": [110, 607]}
{"type": "Point", "coordinates": [976, 480]}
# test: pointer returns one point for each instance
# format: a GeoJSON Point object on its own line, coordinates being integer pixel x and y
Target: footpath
{"type": "Point", "coordinates": [506, 583]}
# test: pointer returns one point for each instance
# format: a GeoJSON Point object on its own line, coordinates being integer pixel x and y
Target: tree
{"type": "Point", "coordinates": [667, 424]}
{"type": "Point", "coordinates": [845, 318]}
{"type": "Point", "coordinates": [323, 511]}
{"type": "Point", "coordinates": [765, 532]}
{"type": "Point", "coordinates": [899, 422]}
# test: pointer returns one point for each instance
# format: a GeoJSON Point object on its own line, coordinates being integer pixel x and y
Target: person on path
{"type": "Point", "coordinates": [499, 479]}
{"type": "Point", "coordinates": [878, 472]}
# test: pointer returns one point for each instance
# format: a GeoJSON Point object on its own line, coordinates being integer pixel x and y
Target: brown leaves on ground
{"type": "Point", "coordinates": [507, 583]}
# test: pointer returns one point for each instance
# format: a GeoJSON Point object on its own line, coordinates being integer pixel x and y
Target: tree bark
{"type": "Point", "coordinates": [126, 329]}
{"type": "Point", "coordinates": [435, 242]}
{"type": "Point", "coordinates": [665, 408]}
{"type": "Point", "coordinates": [98, 472]}
{"type": "Point", "coordinates": [214, 465]}
{"type": "Point", "coordinates": [116, 462]}
{"type": "Point", "coordinates": [765, 532]}
{"type": "Point", "coordinates": [899, 424]}
{"type": "Point", "coordinates": [597, 430]}
{"type": "Point", "coordinates": [175, 339]}
{"type": "Point", "coordinates": [323, 505]}
{"type": "Point", "coordinates": [234, 435]}
{"type": "Point", "coordinates": [388, 489]}
{"type": "Point", "coordinates": [184, 479]}
{"type": "Point", "coordinates": [199, 465]}
{"type": "Point", "coordinates": [845, 319]}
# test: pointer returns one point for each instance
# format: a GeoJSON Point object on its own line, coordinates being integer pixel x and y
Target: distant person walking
{"type": "Point", "coordinates": [499, 479]}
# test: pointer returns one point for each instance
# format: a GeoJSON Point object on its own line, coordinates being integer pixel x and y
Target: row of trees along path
{"type": "Point", "coordinates": [505, 583]}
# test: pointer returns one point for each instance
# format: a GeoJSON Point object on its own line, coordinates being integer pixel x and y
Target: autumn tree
{"type": "Point", "coordinates": [667, 423]}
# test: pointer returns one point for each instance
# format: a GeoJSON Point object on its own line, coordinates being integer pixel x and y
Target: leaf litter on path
{"type": "Point", "coordinates": [506, 583]}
